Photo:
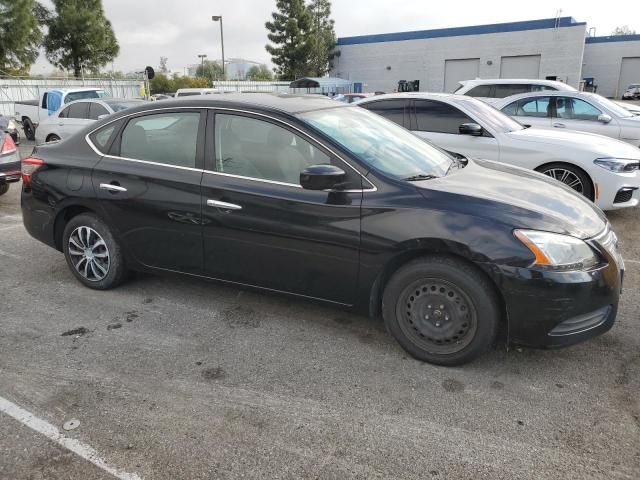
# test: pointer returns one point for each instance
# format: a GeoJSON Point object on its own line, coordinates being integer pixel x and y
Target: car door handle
{"type": "Point", "coordinates": [112, 188]}
{"type": "Point", "coordinates": [61, 124]}
{"type": "Point", "coordinates": [223, 205]}
{"type": "Point", "coordinates": [559, 125]}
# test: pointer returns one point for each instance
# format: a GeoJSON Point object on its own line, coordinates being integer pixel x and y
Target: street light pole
{"type": "Point", "coordinates": [202, 57]}
{"type": "Point", "coordinates": [215, 18]}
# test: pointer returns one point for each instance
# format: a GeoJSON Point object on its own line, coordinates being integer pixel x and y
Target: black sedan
{"type": "Point", "coordinates": [304, 196]}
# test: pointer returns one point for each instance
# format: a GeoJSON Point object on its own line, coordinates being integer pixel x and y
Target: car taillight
{"type": "Point", "coordinates": [7, 145]}
{"type": "Point", "coordinates": [29, 166]}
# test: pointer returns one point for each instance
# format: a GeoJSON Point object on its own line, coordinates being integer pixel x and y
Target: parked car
{"type": "Point", "coordinates": [632, 91]}
{"type": "Point", "coordinates": [9, 162]}
{"type": "Point", "coordinates": [634, 108]}
{"type": "Point", "coordinates": [582, 111]}
{"type": "Point", "coordinates": [31, 112]}
{"type": "Point", "coordinates": [8, 125]}
{"type": "Point", "coordinates": [351, 97]}
{"type": "Point", "coordinates": [491, 90]}
{"type": "Point", "coordinates": [77, 115]}
{"type": "Point", "coordinates": [189, 92]}
{"type": "Point", "coordinates": [316, 199]}
{"type": "Point", "coordinates": [602, 169]}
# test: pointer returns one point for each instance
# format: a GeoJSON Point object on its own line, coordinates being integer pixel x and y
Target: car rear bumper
{"type": "Point", "coordinates": [9, 171]}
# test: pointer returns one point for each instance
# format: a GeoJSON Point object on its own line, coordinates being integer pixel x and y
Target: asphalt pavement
{"type": "Point", "coordinates": [173, 378]}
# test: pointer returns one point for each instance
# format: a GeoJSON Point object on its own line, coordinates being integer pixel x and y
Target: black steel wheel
{"type": "Point", "coordinates": [441, 310]}
{"type": "Point", "coordinates": [571, 176]}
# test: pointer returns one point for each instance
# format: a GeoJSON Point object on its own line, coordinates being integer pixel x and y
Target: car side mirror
{"type": "Point", "coordinates": [321, 177]}
{"type": "Point", "coordinates": [104, 115]}
{"type": "Point", "coordinates": [604, 118]}
{"type": "Point", "coordinates": [472, 129]}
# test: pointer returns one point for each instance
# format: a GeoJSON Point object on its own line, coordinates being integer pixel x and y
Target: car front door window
{"type": "Point", "coordinates": [438, 117]}
{"type": "Point", "coordinates": [576, 109]}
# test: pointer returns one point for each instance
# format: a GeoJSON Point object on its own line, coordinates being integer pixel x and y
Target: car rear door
{"type": "Point", "coordinates": [532, 111]}
{"type": "Point", "coordinates": [578, 114]}
{"type": "Point", "coordinates": [149, 187]}
{"type": "Point", "coordinates": [75, 118]}
{"type": "Point", "coordinates": [260, 226]}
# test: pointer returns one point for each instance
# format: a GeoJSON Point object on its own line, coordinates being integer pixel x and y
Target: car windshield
{"type": "Point", "coordinates": [490, 117]}
{"type": "Point", "coordinates": [84, 95]}
{"type": "Point", "coordinates": [117, 106]}
{"type": "Point", "coordinates": [379, 142]}
{"type": "Point", "coordinates": [617, 110]}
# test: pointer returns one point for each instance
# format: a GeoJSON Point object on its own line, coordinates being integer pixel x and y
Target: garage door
{"type": "Point", "coordinates": [456, 70]}
{"type": "Point", "coordinates": [629, 73]}
{"type": "Point", "coordinates": [521, 66]}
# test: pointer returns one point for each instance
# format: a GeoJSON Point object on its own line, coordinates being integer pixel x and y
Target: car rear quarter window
{"type": "Point", "coordinates": [101, 138]}
{"type": "Point", "coordinates": [393, 110]}
{"type": "Point", "coordinates": [480, 91]}
{"type": "Point", "coordinates": [78, 110]}
{"type": "Point", "coordinates": [438, 117]}
{"type": "Point", "coordinates": [167, 138]}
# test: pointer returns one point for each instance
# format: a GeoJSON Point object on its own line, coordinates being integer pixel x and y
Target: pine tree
{"type": "Point", "coordinates": [322, 38]}
{"type": "Point", "coordinates": [289, 34]}
{"type": "Point", "coordinates": [80, 36]}
{"type": "Point", "coordinates": [20, 35]}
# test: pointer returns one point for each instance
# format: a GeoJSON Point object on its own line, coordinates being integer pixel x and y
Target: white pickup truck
{"type": "Point", "coordinates": [30, 112]}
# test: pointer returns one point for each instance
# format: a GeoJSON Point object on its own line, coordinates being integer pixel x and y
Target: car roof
{"type": "Point", "coordinates": [424, 95]}
{"type": "Point", "coordinates": [275, 102]}
{"type": "Point", "coordinates": [548, 93]}
{"type": "Point", "coordinates": [534, 81]}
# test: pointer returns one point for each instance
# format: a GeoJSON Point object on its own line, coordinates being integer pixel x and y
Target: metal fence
{"type": "Point", "coordinates": [251, 86]}
{"type": "Point", "coordinates": [19, 89]}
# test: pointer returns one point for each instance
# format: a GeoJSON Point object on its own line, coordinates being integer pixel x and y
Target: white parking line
{"type": "Point", "coordinates": [51, 432]}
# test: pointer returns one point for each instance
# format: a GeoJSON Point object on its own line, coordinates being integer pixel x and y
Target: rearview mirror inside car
{"type": "Point", "coordinates": [321, 177]}
{"type": "Point", "coordinates": [472, 129]}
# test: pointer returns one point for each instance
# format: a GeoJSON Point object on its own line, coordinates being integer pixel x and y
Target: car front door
{"type": "Point", "coordinates": [149, 187]}
{"type": "Point", "coordinates": [440, 123]}
{"type": "Point", "coordinates": [261, 227]}
{"type": "Point", "coordinates": [577, 114]}
{"type": "Point", "coordinates": [533, 111]}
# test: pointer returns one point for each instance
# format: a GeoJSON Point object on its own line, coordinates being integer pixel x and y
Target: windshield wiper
{"type": "Point", "coordinates": [420, 176]}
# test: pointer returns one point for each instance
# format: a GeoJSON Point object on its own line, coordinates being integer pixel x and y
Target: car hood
{"type": "Point", "coordinates": [597, 144]}
{"type": "Point", "coordinates": [516, 197]}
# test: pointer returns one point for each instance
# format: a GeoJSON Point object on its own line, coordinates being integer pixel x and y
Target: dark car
{"type": "Point", "coordinates": [8, 125]}
{"type": "Point", "coordinates": [9, 162]}
{"type": "Point", "coordinates": [328, 201]}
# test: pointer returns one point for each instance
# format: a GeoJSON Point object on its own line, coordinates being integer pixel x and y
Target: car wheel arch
{"type": "Point", "coordinates": [564, 162]}
{"type": "Point", "coordinates": [63, 217]}
{"type": "Point", "coordinates": [402, 259]}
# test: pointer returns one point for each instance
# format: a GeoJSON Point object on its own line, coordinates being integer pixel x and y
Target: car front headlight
{"type": "Point", "coordinates": [618, 165]}
{"type": "Point", "coordinates": [556, 251]}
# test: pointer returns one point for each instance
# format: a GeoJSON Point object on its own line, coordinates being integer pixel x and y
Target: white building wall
{"type": "Point", "coordinates": [603, 62]}
{"type": "Point", "coordinates": [561, 53]}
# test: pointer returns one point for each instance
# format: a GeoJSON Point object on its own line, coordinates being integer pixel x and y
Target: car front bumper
{"type": "Point", "coordinates": [549, 309]}
{"type": "Point", "coordinates": [610, 188]}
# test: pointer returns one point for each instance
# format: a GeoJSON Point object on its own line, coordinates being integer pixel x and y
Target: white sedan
{"type": "Point", "coordinates": [582, 111]}
{"type": "Point", "coordinates": [74, 116]}
{"type": "Point", "coordinates": [602, 169]}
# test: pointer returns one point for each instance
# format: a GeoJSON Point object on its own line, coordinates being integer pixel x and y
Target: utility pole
{"type": "Point", "coordinates": [216, 18]}
{"type": "Point", "coordinates": [202, 56]}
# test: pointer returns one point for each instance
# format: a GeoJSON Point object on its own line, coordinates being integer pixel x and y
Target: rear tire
{"type": "Point", "coordinates": [52, 138]}
{"type": "Point", "coordinates": [571, 176]}
{"type": "Point", "coordinates": [29, 129]}
{"type": "Point", "coordinates": [4, 188]}
{"type": "Point", "coordinates": [92, 252]}
{"type": "Point", "coordinates": [441, 310]}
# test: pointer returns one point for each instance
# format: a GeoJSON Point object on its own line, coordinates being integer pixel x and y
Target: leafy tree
{"type": "Point", "coordinates": [261, 72]}
{"type": "Point", "coordinates": [211, 70]}
{"type": "Point", "coordinates": [163, 65]}
{"type": "Point", "coordinates": [161, 83]}
{"type": "Point", "coordinates": [80, 36]}
{"type": "Point", "coordinates": [289, 36]}
{"type": "Point", "coordinates": [322, 38]}
{"type": "Point", "coordinates": [20, 35]}
{"type": "Point", "coordinates": [623, 30]}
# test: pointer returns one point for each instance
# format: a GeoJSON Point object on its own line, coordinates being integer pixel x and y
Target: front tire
{"type": "Point", "coordinates": [441, 310]}
{"type": "Point", "coordinates": [571, 176]}
{"type": "Point", "coordinates": [4, 188]}
{"type": "Point", "coordinates": [92, 252]}
{"type": "Point", "coordinates": [52, 138]}
{"type": "Point", "coordinates": [29, 129]}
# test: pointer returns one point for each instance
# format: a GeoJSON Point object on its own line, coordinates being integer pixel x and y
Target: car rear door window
{"type": "Point", "coordinates": [533, 107]}
{"type": "Point", "coordinates": [394, 110]}
{"type": "Point", "coordinates": [64, 113]}
{"type": "Point", "coordinates": [258, 149]}
{"type": "Point", "coordinates": [576, 109]}
{"type": "Point", "coordinates": [167, 138]}
{"type": "Point", "coordinates": [480, 91]}
{"type": "Point", "coordinates": [438, 117]}
{"type": "Point", "coordinates": [95, 110]}
{"type": "Point", "coordinates": [78, 110]}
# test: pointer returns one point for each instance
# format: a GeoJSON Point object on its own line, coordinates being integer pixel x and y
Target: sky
{"type": "Point", "coordinates": [180, 30]}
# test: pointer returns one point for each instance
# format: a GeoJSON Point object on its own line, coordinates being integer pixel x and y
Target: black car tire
{"type": "Point", "coordinates": [53, 138]}
{"type": "Point", "coordinates": [587, 186]}
{"type": "Point", "coordinates": [116, 268]}
{"type": "Point", "coordinates": [29, 129]}
{"type": "Point", "coordinates": [4, 188]}
{"type": "Point", "coordinates": [471, 309]}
